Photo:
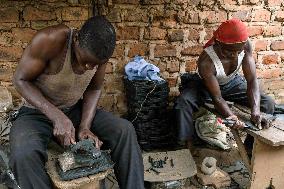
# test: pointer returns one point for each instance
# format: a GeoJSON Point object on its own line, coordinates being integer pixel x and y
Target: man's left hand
{"type": "Point", "coordinates": [87, 134]}
{"type": "Point", "coordinates": [259, 121]}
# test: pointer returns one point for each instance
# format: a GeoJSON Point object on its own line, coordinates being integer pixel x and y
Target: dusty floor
{"type": "Point", "coordinates": [201, 150]}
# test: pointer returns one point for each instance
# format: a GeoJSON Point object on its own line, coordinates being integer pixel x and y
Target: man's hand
{"type": "Point", "coordinates": [256, 119]}
{"type": "Point", "coordinates": [238, 124]}
{"type": "Point", "coordinates": [259, 121]}
{"type": "Point", "coordinates": [87, 134]}
{"type": "Point", "coordinates": [64, 131]}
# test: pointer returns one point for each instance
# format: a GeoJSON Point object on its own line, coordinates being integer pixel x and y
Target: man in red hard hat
{"type": "Point", "coordinates": [218, 77]}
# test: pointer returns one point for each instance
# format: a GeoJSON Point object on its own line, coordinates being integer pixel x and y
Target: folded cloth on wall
{"type": "Point", "coordinates": [140, 69]}
{"type": "Point", "coordinates": [209, 129]}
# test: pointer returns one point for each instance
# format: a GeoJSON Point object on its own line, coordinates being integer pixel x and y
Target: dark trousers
{"type": "Point", "coordinates": [195, 95]}
{"type": "Point", "coordinates": [32, 131]}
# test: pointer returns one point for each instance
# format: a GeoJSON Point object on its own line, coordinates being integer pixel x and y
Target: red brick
{"type": "Point", "coordinates": [155, 33]}
{"type": "Point", "coordinates": [193, 50]}
{"type": "Point", "coordinates": [113, 84]}
{"type": "Point", "coordinates": [121, 104]}
{"type": "Point", "coordinates": [209, 32]}
{"type": "Point", "coordinates": [255, 30]}
{"type": "Point", "coordinates": [75, 13]}
{"type": "Point", "coordinates": [127, 33]}
{"type": "Point", "coordinates": [277, 45]}
{"type": "Point", "coordinates": [193, 34]}
{"type": "Point", "coordinates": [119, 66]}
{"type": "Point", "coordinates": [229, 2]}
{"type": "Point", "coordinates": [6, 38]}
{"type": "Point", "coordinates": [10, 53]}
{"type": "Point", "coordinates": [114, 15]}
{"type": "Point", "coordinates": [133, 2]}
{"type": "Point", "coordinates": [37, 25]}
{"type": "Point", "coordinates": [191, 65]}
{"type": "Point", "coordinates": [6, 74]}
{"type": "Point", "coordinates": [151, 2]}
{"type": "Point", "coordinates": [137, 15]}
{"type": "Point", "coordinates": [109, 67]}
{"type": "Point", "coordinates": [118, 51]}
{"type": "Point", "coordinates": [138, 49]}
{"type": "Point", "coordinates": [169, 23]}
{"type": "Point", "coordinates": [254, 1]}
{"type": "Point", "coordinates": [160, 64]}
{"type": "Point", "coordinates": [269, 73]}
{"type": "Point", "coordinates": [106, 102]}
{"type": "Point", "coordinates": [260, 45]}
{"type": "Point", "coordinates": [173, 66]}
{"type": "Point", "coordinates": [23, 34]}
{"type": "Point", "coordinates": [176, 35]}
{"type": "Point", "coordinates": [191, 18]}
{"type": "Point", "coordinates": [9, 15]}
{"type": "Point", "coordinates": [32, 13]}
{"type": "Point", "coordinates": [273, 2]}
{"type": "Point", "coordinates": [272, 31]}
{"type": "Point", "coordinates": [165, 51]}
{"type": "Point", "coordinates": [172, 81]}
{"type": "Point", "coordinates": [214, 16]}
{"type": "Point", "coordinates": [279, 16]}
{"type": "Point", "coordinates": [7, 26]}
{"type": "Point", "coordinates": [244, 15]}
{"type": "Point", "coordinates": [262, 15]}
{"type": "Point", "coordinates": [270, 59]}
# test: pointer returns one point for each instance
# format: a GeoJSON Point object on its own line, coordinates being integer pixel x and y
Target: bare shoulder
{"type": "Point", "coordinates": [205, 65]}
{"type": "Point", "coordinates": [248, 47]}
{"type": "Point", "coordinates": [49, 41]}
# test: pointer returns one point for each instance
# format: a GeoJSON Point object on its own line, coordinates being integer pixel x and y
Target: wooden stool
{"type": "Point", "coordinates": [266, 166]}
{"type": "Point", "coordinates": [268, 157]}
{"type": "Point", "coordinates": [89, 182]}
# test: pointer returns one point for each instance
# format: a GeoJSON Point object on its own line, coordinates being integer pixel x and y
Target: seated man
{"type": "Point", "coordinates": [57, 69]}
{"type": "Point", "coordinates": [218, 78]}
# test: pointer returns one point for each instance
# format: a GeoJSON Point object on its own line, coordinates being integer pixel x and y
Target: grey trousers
{"type": "Point", "coordinates": [32, 131]}
{"type": "Point", "coordinates": [195, 95]}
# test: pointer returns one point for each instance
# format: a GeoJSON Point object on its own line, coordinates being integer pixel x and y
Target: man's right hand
{"type": "Point", "coordinates": [64, 131]}
{"type": "Point", "coordinates": [238, 124]}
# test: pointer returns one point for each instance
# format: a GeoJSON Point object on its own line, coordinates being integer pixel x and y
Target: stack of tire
{"type": "Point", "coordinates": [147, 103]}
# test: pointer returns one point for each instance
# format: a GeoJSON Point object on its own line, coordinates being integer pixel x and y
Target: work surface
{"type": "Point", "coordinates": [273, 136]}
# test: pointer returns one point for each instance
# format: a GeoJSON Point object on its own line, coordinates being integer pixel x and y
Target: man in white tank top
{"type": "Point", "coordinates": [58, 68]}
{"type": "Point", "coordinates": [218, 79]}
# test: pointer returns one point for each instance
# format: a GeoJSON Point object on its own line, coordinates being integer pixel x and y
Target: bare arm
{"type": "Point", "coordinates": [248, 66]}
{"type": "Point", "coordinates": [43, 47]}
{"type": "Point", "coordinates": [32, 64]}
{"type": "Point", "coordinates": [90, 101]}
{"type": "Point", "coordinates": [207, 72]}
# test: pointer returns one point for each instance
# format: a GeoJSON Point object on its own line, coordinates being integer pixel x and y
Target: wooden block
{"type": "Point", "coordinates": [267, 165]}
{"type": "Point", "coordinates": [90, 182]}
{"type": "Point", "coordinates": [184, 166]}
{"type": "Point", "coordinates": [273, 136]}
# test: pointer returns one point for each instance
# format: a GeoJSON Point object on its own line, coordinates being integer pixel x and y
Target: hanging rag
{"type": "Point", "coordinates": [140, 69]}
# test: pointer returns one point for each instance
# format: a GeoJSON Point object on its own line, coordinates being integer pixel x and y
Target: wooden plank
{"type": "Point", "coordinates": [268, 166]}
{"type": "Point", "coordinates": [242, 150]}
{"type": "Point", "coordinates": [184, 166]}
{"type": "Point", "coordinates": [273, 136]}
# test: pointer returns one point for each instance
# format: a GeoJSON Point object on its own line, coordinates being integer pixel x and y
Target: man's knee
{"type": "Point", "coordinates": [125, 128]}
{"type": "Point", "coordinates": [23, 157]}
{"type": "Point", "coordinates": [267, 104]}
{"type": "Point", "coordinates": [188, 98]}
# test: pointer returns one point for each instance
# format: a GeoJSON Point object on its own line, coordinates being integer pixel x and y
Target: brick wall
{"type": "Point", "coordinates": [169, 33]}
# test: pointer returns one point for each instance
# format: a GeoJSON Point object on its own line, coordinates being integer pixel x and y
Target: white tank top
{"type": "Point", "coordinates": [220, 73]}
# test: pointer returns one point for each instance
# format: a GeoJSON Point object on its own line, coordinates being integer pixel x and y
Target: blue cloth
{"type": "Point", "coordinates": [139, 69]}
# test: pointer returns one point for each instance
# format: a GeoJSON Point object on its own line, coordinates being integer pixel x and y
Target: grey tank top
{"type": "Point", "coordinates": [65, 88]}
{"type": "Point", "coordinates": [221, 76]}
